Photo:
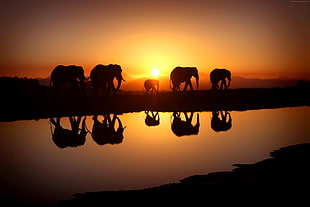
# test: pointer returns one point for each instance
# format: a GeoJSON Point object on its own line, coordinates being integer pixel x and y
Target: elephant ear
{"type": "Point", "coordinates": [118, 68]}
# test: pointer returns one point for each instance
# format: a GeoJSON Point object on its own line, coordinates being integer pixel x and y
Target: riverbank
{"type": "Point", "coordinates": [281, 179]}
{"type": "Point", "coordinates": [27, 108]}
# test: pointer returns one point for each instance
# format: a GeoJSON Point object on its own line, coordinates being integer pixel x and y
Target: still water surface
{"type": "Point", "coordinates": [37, 169]}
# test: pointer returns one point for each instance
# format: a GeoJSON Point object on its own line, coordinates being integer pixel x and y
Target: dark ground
{"type": "Point", "coordinates": [282, 179]}
{"type": "Point", "coordinates": [46, 106]}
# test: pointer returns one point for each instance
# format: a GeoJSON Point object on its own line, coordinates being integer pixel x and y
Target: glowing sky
{"type": "Point", "coordinates": [248, 37]}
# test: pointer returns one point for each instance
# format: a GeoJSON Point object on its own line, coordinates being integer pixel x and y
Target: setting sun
{"type": "Point", "coordinates": [155, 72]}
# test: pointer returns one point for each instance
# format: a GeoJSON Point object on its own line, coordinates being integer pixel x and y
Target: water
{"type": "Point", "coordinates": [37, 170]}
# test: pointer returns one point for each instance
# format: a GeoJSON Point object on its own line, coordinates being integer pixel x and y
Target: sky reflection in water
{"type": "Point", "coordinates": [35, 168]}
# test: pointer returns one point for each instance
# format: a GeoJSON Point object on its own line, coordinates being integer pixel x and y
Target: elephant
{"type": "Point", "coordinates": [102, 77]}
{"type": "Point", "coordinates": [219, 76]}
{"type": "Point", "coordinates": [152, 118]}
{"type": "Point", "coordinates": [151, 85]}
{"type": "Point", "coordinates": [183, 74]}
{"type": "Point", "coordinates": [68, 75]}
{"type": "Point", "coordinates": [221, 121]}
{"type": "Point", "coordinates": [184, 127]}
{"type": "Point", "coordinates": [69, 137]}
{"type": "Point", "coordinates": [106, 132]}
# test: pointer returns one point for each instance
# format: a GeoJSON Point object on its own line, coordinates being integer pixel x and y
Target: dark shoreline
{"type": "Point", "coordinates": [281, 179]}
{"type": "Point", "coordinates": [29, 108]}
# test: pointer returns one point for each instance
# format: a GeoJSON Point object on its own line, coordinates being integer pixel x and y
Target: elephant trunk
{"type": "Point", "coordinates": [120, 129]}
{"type": "Point", "coordinates": [119, 81]}
{"type": "Point", "coordinates": [197, 121]}
{"type": "Point", "coordinates": [197, 80]}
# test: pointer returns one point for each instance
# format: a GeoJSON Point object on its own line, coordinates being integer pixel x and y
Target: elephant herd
{"type": "Point", "coordinates": [108, 79]}
{"type": "Point", "coordinates": [108, 128]}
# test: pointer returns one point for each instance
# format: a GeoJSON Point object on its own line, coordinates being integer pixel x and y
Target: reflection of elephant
{"type": "Point", "coordinates": [152, 118]}
{"type": "Point", "coordinates": [220, 75]}
{"type": "Point", "coordinates": [151, 85]}
{"type": "Point", "coordinates": [102, 76]}
{"type": "Point", "coordinates": [183, 74]}
{"type": "Point", "coordinates": [68, 75]}
{"type": "Point", "coordinates": [69, 137]}
{"type": "Point", "coordinates": [106, 132]}
{"type": "Point", "coordinates": [221, 121]}
{"type": "Point", "coordinates": [184, 127]}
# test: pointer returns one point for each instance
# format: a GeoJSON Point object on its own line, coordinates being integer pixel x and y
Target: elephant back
{"type": "Point", "coordinates": [103, 73]}
{"type": "Point", "coordinates": [218, 74]}
{"type": "Point", "coordinates": [67, 138]}
{"type": "Point", "coordinates": [67, 74]}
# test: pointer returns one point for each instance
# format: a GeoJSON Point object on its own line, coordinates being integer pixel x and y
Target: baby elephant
{"type": "Point", "coordinates": [151, 85]}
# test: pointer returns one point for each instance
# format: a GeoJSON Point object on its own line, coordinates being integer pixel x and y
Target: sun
{"type": "Point", "coordinates": [155, 72]}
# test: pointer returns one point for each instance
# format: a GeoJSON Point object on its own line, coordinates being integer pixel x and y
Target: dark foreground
{"type": "Point", "coordinates": [27, 108]}
{"type": "Point", "coordinates": [282, 179]}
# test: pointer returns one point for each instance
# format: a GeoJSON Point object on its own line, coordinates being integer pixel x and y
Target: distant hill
{"type": "Point", "coordinates": [204, 83]}
{"type": "Point", "coordinates": [241, 82]}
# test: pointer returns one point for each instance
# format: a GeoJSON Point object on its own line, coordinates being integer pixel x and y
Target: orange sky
{"type": "Point", "coordinates": [267, 37]}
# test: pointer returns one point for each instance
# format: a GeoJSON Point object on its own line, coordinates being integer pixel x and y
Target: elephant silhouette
{"type": "Point", "coordinates": [219, 76]}
{"type": "Point", "coordinates": [70, 76]}
{"type": "Point", "coordinates": [151, 85]}
{"type": "Point", "coordinates": [69, 137]}
{"type": "Point", "coordinates": [221, 121]}
{"type": "Point", "coordinates": [106, 131]}
{"type": "Point", "coordinates": [152, 118]}
{"type": "Point", "coordinates": [182, 127]}
{"type": "Point", "coordinates": [183, 74]}
{"type": "Point", "coordinates": [102, 77]}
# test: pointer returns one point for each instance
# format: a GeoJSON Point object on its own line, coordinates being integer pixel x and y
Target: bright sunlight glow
{"type": "Point", "coordinates": [155, 72]}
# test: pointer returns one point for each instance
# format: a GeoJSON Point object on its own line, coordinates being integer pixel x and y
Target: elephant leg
{"type": "Point", "coordinates": [187, 83]}
{"type": "Point", "coordinates": [214, 85]}
{"type": "Point", "coordinates": [54, 122]}
{"type": "Point", "coordinates": [191, 117]}
{"type": "Point", "coordinates": [221, 85]}
{"type": "Point", "coordinates": [147, 89]}
{"type": "Point", "coordinates": [224, 84]}
{"type": "Point", "coordinates": [174, 88]}
{"type": "Point", "coordinates": [112, 88]}
{"type": "Point", "coordinates": [190, 85]}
